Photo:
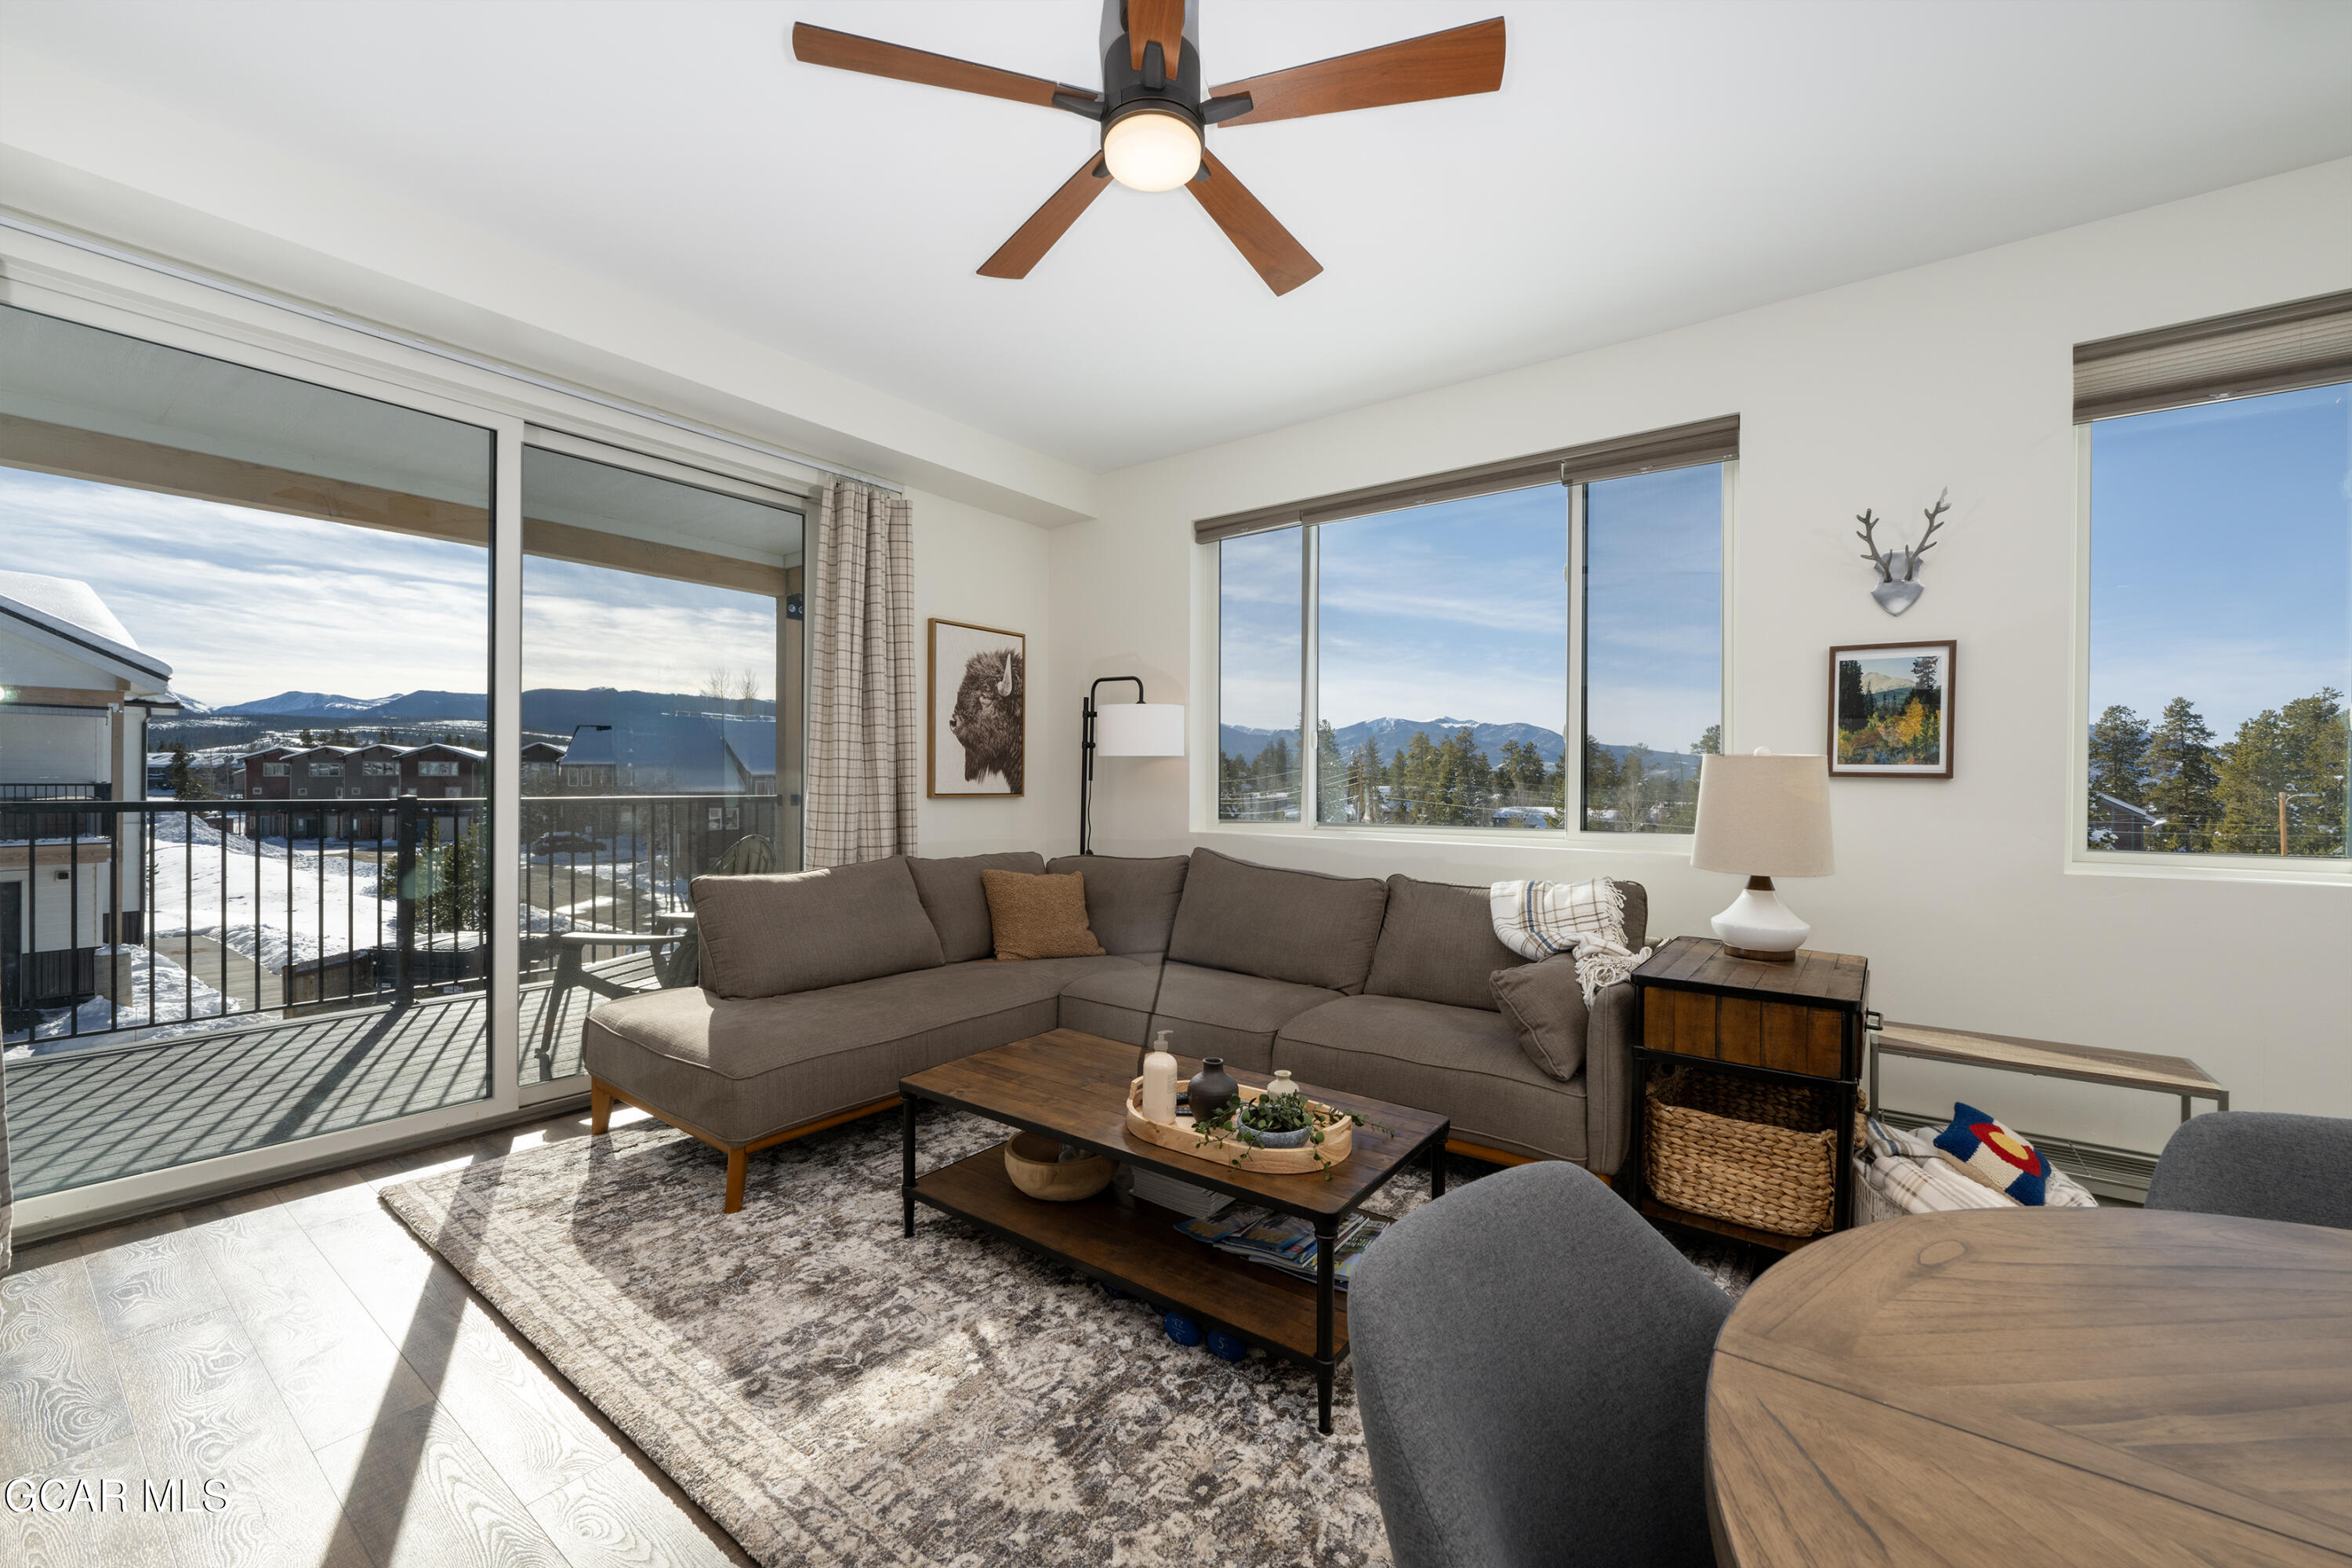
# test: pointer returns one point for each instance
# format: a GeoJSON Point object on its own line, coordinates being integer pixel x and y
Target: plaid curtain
{"type": "Point", "coordinates": [863, 750]}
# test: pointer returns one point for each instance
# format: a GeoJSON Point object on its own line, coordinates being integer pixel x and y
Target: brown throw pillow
{"type": "Point", "coordinates": [1545, 1003]}
{"type": "Point", "coordinates": [1038, 916]}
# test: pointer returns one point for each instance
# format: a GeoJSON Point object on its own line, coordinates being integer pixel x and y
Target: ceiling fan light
{"type": "Point", "coordinates": [1153, 151]}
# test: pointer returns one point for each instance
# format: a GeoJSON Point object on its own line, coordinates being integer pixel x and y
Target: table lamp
{"type": "Point", "coordinates": [1137, 729]}
{"type": "Point", "coordinates": [1763, 816]}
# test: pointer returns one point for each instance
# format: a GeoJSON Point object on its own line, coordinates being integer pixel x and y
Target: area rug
{"type": "Point", "coordinates": [833, 1394]}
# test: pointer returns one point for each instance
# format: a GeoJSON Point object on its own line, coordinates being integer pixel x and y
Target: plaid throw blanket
{"type": "Point", "coordinates": [1544, 920]}
{"type": "Point", "coordinates": [1904, 1171]}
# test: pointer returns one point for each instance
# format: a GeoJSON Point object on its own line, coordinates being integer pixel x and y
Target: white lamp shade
{"type": "Point", "coordinates": [1139, 730]}
{"type": "Point", "coordinates": [1764, 815]}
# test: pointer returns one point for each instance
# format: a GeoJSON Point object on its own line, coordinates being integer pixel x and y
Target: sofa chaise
{"type": "Point", "coordinates": [821, 990]}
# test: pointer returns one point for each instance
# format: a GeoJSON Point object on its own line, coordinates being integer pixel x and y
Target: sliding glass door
{"type": "Point", "coordinates": [661, 723]}
{"type": "Point", "coordinates": [246, 774]}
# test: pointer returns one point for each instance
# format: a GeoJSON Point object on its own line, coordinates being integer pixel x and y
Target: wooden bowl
{"type": "Point", "coordinates": [1034, 1164]}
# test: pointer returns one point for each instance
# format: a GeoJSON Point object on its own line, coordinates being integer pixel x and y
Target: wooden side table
{"type": "Point", "coordinates": [1801, 1021]}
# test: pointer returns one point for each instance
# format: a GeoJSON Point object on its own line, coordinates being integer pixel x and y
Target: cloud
{"type": "Point", "coordinates": [245, 604]}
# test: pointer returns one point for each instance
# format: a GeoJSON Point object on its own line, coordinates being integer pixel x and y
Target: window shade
{"type": "Point", "coordinates": [1705, 441]}
{"type": "Point", "coordinates": [2276, 349]}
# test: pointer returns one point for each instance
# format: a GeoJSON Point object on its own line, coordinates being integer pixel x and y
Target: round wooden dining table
{"type": "Point", "coordinates": [2033, 1388]}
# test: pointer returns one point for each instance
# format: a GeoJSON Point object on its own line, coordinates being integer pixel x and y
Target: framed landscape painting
{"type": "Point", "coordinates": [1891, 709]}
{"type": "Point", "coordinates": [979, 727]}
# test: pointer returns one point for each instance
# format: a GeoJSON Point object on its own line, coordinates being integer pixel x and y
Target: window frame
{"type": "Point", "coordinates": [1573, 836]}
{"type": "Point", "coordinates": [2076, 857]}
{"type": "Point", "coordinates": [93, 284]}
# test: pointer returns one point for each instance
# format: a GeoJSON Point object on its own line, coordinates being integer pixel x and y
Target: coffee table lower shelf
{"type": "Point", "coordinates": [1133, 1246]}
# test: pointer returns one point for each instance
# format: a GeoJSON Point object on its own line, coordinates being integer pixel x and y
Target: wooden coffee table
{"type": "Point", "coordinates": [1073, 1087]}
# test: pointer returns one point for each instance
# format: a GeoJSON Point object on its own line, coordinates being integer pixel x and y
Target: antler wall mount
{"type": "Point", "coordinates": [1898, 568]}
{"type": "Point", "coordinates": [1154, 114]}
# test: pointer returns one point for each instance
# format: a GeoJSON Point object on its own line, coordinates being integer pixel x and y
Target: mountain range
{"type": "Point", "coordinates": [548, 713]}
{"type": "Point", "coordinates": [1243, 740]}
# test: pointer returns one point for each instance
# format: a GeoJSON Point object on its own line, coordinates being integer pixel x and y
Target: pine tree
{"type": "Point", "coordinates": [307, 742]}
{"type": "Point", "coordinates": [2182, 779]}
{"type": "Point", "coordinates": [2319, 755]}
{"type": "Point", "coordinates": [2253, 773]}
{"type": "Point", "coordinates": [2291, 758]}
{"type": "Point", "coordinates": [1600, 776]}
{"type": "Point", "coordinates": [2118, 759]}
{"type": "Point", "coordinates": [1632, 796]}
{"type": "Point", "coordinates": [1710, 741]}
{"type": "Point", "coordinates": [1369, 779]}
{"type": "Point", "coordinates": [1330, 775]}
{"type": "Point", "coordinates": [1853, 702]}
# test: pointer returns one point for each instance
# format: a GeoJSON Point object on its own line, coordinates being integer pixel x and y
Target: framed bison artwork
{"type": "Point", "coordinates": [979, 730]}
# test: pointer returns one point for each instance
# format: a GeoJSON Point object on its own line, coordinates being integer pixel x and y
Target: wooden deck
{"type": "Point", "coordinates": [106, 1112]}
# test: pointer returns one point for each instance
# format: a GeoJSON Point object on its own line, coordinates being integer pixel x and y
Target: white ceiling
{"type": "Point", "coordinates": [1647, 164]}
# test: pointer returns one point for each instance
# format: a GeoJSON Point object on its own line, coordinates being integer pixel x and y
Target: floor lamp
{"type": "Point", "coordinates": [1137, 729]}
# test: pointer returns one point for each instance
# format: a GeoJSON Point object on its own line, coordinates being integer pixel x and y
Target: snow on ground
{"type": "Point", "coordinates": [264, 898]}
{"type": "Point", "coordinates": [177, 1004]}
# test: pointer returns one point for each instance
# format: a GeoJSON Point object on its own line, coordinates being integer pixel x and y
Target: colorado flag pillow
{"type": "Point", "coordinates": [1994, 1155]}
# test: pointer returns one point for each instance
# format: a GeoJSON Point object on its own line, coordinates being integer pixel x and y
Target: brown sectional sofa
{"type": "Point", "coordinates": [821, 991]}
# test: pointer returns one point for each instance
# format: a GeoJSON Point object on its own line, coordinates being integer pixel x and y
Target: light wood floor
{"type": "Point", "coordinates": [362, 1405]}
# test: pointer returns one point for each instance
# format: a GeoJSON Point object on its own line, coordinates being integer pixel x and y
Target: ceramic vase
{"type": "Point", "coordinates": [1283, 1084]}
{"type": "Point", "coordinates": [1213, 1089]}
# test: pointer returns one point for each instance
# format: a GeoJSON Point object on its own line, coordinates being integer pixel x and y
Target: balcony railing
{"type": "Point", "coordinates": [620, 862]}
{"type": "Point", "coordinates": [182, 917]}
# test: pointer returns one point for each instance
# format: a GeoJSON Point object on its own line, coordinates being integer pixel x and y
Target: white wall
{"type": "Point", "coordinates": [1878, 395]}
{"type": "Point", "coordinates": [977, 567]}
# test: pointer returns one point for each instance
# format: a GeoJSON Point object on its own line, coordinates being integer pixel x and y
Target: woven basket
{"type": "Point", "coordinates": [1743, 1150]}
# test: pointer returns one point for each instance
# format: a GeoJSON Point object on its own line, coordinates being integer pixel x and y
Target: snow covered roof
{"type": "Point", "coordinates": [72, 610]}
{"type": "Point", "coordinates": [687, 753]}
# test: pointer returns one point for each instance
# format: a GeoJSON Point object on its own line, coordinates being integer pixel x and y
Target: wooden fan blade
{"type": "Point", "coordinates": [847, 51]}
{"type": "Point", "coordinates": [1264, 243]}
{"type": "Point", "coordinates": [1451, 64]}
{"type": "Point", "coordinates": [1033, 240]}
{"type": "Point", "coordinates": [1155, 21]}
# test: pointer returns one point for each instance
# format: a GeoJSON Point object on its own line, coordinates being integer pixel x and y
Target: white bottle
{"type": "Point", "coordinates": [1283, 1084]}
{"type": "Point", "coordinates": [1160, 1081]}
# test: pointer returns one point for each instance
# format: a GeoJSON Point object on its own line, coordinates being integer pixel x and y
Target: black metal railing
{"type": "Point", "coordinates": [137, 914]}
{"type": "Point", "coordinates": [620, 862]}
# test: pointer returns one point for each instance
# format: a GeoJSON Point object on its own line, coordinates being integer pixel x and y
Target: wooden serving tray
{"type": "Point", "coordinates": [1339, 1141]}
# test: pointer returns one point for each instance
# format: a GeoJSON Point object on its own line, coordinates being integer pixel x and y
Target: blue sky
{"type": "Point", "coordinates": [1460, 610]}
{"type": "Point", "coordinates": [2221, 555]}
{"type": "Point", "coordinates": [1457, 610]}
{"type": "Point", "coordinates": [246, 604]}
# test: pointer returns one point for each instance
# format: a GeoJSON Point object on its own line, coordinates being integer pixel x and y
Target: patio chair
{"type": "Point", "coordinates": [679, 965]}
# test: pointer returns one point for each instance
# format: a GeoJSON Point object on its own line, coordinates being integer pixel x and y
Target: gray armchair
{"type": "Point", "coordinates": [1531, 1362]}
{"type": "Point", "coordinates": [2259, 1164]}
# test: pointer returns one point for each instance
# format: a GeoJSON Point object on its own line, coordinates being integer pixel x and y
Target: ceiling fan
{"type": "Point", "coordinates": [1152, 114]}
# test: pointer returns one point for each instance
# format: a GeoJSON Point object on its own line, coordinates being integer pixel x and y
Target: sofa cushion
{"type": "Point", "coordinates": [1438, 944]}
{"type": "Point", "coordinates": [1545, 1003]}
{"type": "Point", "coordinates": [1208, 1012]}
{"type": "Point", "coordinates": [770, 936]}
{"type": "Point", "coordinates": [1464, 1063]}
{"type": "Point", "coordinates": [741, 1069]}
{"type": "Point", "coordinates": [951, 889]}
{"type": "Point", "coordinates": [1130, 899]}
{"type": "Point", "coordinates": [1035, 915]}
{"type": "Point", "coordinates": [1637, 913]}
{"type": "Point", "coordinates": [1299, 926]}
